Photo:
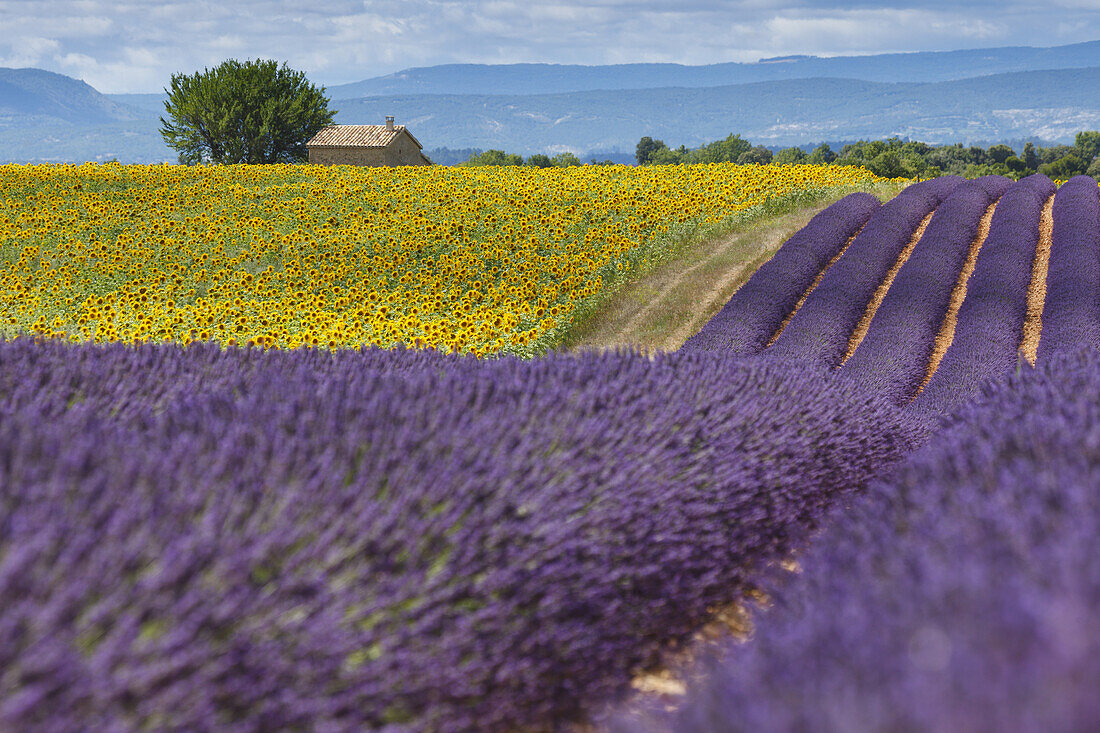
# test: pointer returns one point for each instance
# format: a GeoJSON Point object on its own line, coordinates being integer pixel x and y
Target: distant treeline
{"type": "Point", "coordinates": [476, 156]}
{"type": "Point", "coordinates": [894, 158]}
{"type": "Point", "coordinates": [891, 158]}
{"type": "Point", "coordinates": [538, 160]}
{"type": "Point", "coordinates": [451, 156]}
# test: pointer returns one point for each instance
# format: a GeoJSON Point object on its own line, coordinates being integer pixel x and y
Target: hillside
{"type": "Point", "coordinates": [35, 97]}
{"type": "Point", "coordinates": [138, 141]}
{"type": "Point", "coordinates": [1045, 104]}
{"type": "Point", "coordinates": [39, 109]}
{"type": "Point", "coordinates": [153, 102]}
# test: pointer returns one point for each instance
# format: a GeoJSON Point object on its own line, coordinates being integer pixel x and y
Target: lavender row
{"type": "Point", "coordinates": [893, 356]}
{"type": "Point", "coordinates": [821, 328]}
{"type": "Point", "coordinates": [197, 539]}
{"type": "Point", "coordinates": [1071, 312]}
{"type": "Point", "coordinates": [990, 321]}
{"type": "Point", "coordinates": [962, 595]}
{"type": "Point", "coordinates": [755, 312]}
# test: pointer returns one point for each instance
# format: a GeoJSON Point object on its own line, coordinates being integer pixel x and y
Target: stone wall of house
{"type": "Point", "coordinates": [350, 155]}
{"type": "Point", "coordinates": [403, 151]}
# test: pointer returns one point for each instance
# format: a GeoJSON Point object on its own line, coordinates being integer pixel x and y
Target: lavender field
{"type": "Point", "coordinates": [198, 538]}
{"type": "Point", "coordinates": [958, 594]}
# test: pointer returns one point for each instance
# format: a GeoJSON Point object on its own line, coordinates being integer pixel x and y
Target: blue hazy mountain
{"type": "Point", "coordinates": [35, 96]}
{"type": "Point", "coordinates": [51, 117]}
{"type": "Point", "coordinates": [924, 66]}
{"type": "Point", "coordinates": [1042, 105]}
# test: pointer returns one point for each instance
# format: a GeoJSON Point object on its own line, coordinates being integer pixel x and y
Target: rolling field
{"type": "Point", "coordinates": [947, 285]}
{"type": "Point", "coordinates": [959, 592]}
{"type": "Point", "coordinates": [475, 260]}
{"type": "Point", "coordinates": [197, 536]}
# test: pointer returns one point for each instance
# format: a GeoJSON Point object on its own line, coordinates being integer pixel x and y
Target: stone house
{"type": "Point", "coordinates": [373, 145]}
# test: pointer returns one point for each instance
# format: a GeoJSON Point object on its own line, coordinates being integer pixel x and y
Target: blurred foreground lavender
{"type": "Point", "coordinates": [197, 539]}
{"type": "Point", "coordinates": [961, 595]}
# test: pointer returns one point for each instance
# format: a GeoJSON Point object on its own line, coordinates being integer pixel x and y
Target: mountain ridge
{"type": "Point", "coordinates": [545, 78]}
{"type": "Point", "coordinates": [49, 97]}
{"type": "Point", "coordinates": [780, 113]}
{"type": "Point", "coordinates": [551, 78]}
{"type": "Point", "coordinates": [45, 116]}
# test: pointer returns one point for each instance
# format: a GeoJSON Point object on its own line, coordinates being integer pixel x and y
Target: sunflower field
{"type": "Point", "coordinates": [474, 260]}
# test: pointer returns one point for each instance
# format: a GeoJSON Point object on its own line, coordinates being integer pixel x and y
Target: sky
{"type": "Point", "coordinates": [136, 46]}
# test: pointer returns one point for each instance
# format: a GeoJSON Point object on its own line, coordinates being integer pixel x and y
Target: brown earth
{"type": "Point", "coordinates": [880, 293]}
{"type": "Point", "coordinates": [666, 683]}
{"type": "Point", "coordinates": [814, 284]}
{"type": "Point", "coordinates": [958, 295]}
{"type": "Point", "coordinates": [1037, 291]}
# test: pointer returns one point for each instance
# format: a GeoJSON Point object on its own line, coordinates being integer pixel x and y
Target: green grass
{"type": "Point", "coordinates": [601, 320]}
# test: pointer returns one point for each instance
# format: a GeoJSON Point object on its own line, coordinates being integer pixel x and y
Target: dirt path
{"type": "Point", "coordinates": [666, 307]}
{"type": "Point", "coordinates": [811, 288]}
{"type": "Point", "coordinates": [1037, 291]}
{"type": "Point", "coordinates": [958, 295]}
{"type": "Point", "coordinates": [880, 292]}
{"type": "Point", "coordinates": [667, 683]}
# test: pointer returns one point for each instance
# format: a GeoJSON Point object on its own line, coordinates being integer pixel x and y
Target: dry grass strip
{"type": "Point", "coordinates": [958, 295]}
{"type": "Point", "coordinates": [880, 293]}
{"type": "Point", "coordinates": [814, 284]}
{"type": "Point", "coordinates": [662, 309]}
{"type": "Point", "coordinates": [712, 301]}
{"type": "Point", "coordinates": [644, 314]}
{"type": "Point", "coordinates": [1037, 290]}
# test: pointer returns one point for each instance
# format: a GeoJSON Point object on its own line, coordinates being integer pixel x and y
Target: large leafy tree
{"type": "Point", "coordinates": [251, 112]}
{"type": "Point", "coordinates": [645, 149]}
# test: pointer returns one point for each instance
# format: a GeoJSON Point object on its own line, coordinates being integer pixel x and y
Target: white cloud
{"type": "Point", "coordinates": [1069, 28]}
{"type": "Point", "coordinates": [28, 51]}
{"type": "Point", "coordinates": [876, 30]}
{"type": "Point", "coordinates": [77, 61]}
{"type": "Point", "coordinates": [136, 45]}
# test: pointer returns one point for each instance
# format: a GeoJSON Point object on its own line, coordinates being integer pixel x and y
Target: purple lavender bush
{"type": "Point", "coordinates": [821, 328]}
{"type": "Point", "coordinates": [995, 186]}
{"type": "Point", "coordinates": [893, 356]}
{"type": "Point", "coordinates": [1071, 312]}
{"type": "Point", "coordinates": [755, 312]}
{"type": "Point", "coordinates": [990, 321]}
{"type": "Point", "coordinates": [198, 539]}
{"type": "Point", "coordinates": [963, 594]}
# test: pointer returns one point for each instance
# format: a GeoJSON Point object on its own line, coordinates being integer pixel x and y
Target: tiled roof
{"type": "Point", "coordinates": [367, 136]}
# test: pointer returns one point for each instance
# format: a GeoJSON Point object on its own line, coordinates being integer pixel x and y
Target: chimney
{"type": "Point", "coordinates": [389, 122]}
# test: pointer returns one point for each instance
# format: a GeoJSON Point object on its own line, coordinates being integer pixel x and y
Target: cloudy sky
{"type": "Point", "coordinates": [136, 46]}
